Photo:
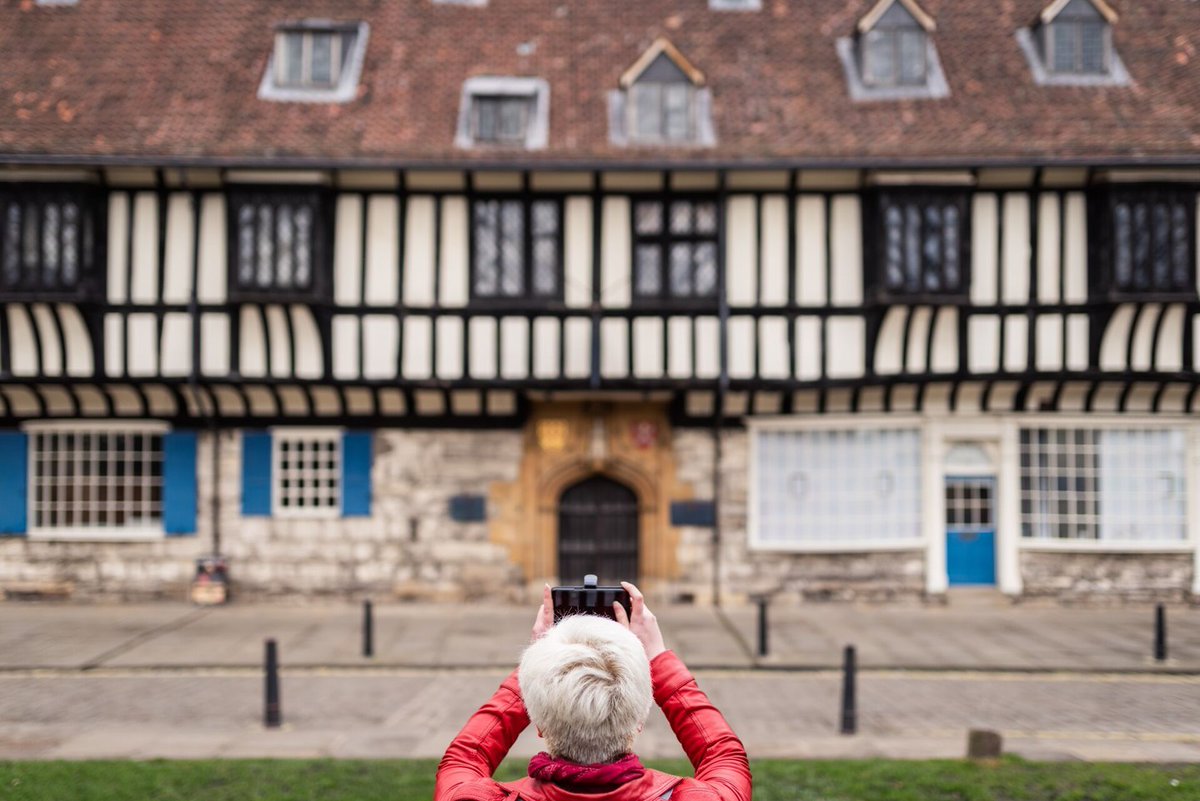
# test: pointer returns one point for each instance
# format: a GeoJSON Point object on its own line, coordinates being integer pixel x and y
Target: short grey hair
{"type": "Point", "coordinates": [586, 686]}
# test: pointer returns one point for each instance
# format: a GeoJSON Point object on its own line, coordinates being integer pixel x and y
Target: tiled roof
{"type": "Point", "coordinates": [179, 79]}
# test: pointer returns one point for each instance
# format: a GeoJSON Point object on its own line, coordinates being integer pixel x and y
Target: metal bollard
{"type": "Point", "coordinates": [762, 626]}
{"type": "Point", "coordinates": [1160, 634]}
{"type": "Point", "coordinates": [849, 697]}
{"type": "Point", "coordinates": [368, 631]}
{"type": "Point", "coordinates": [272, 715]}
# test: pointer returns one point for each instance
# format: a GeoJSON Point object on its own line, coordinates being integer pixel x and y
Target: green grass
{"type": "Point", "coordinates": [775, 780]}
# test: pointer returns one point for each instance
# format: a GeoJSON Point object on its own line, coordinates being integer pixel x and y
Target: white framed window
{"type": "Point", "coordinates": [1105, 485]}
{"type": "Point", "coordinates": [503, 111]}
{"type": "Point", "coordinates": [315, 61]}
{"type": "Point", "coordinates": [306, 472]}
{"type": "Point", "coordinates": [834, 488]}
{"type": "Point", "coordinates": [95, 481]}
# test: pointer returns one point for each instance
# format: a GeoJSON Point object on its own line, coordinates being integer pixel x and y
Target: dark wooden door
{"type": "Point", "coordinates": [598, 532]}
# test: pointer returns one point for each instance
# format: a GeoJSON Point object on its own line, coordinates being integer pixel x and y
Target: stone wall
{"type": "Point", "coordinates": [1107, 577]}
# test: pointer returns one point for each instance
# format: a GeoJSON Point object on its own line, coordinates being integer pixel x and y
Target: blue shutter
{"type": "Point", "coordinates": [14, 495]}
{"type": "Point", "coordinates": [256, 474]}
{"type": "Point", "coordinates": [179, 483]}
{"type": "Point", "coordinates": [356, 474]}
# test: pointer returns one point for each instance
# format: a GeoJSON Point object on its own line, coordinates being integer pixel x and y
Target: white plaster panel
{"type": "Point", "coordinates": [1048, 248]}
{"type": "Point", "coordinates": [345, 346]}
{"type": "Point", "coordinates": [1077, 342]}
{"type": "Point", "coordinates": [547, 343]}
{"type": "Point", "coordinates": [1115, 340]}
{"type": "Point", "coordinates": [253, 344]}
{"type": "Point", "coordinates": [482, 332]}
{"type": "Point", "coordinates": [808, 348]}
{"type": "Point", "coordinates": [78, 344]}
{"type": "Point", "coordinates": [308, 342]}
{"type": "Point", "coordinates": [614, 340]}
{"type": "Point", "coordinates": [1169, 348]}
{"type": "Point", "coordinates": [983, 343]}
{"type": "Point", "coordinates": [177, 271]}
{"type": "Point", "coordinates": [577, 252]}
{"type": "Point", "coordinates": [118, 247]}
{"type": "Point", "coordinates": [47, 331]}
{"type": "Point", "coordinates": [918, 339]}
{"type": "Point", "coordinates": [1049, 341]}
{"type": "Point", "coordinates": [679, 347]}
{"type": "Point", "coordinates": [114, 344]}
{"type": "Point", "coordinates": [1016, 248]}
{"type": "Point", "coordinates": [279, 341]}
{"type": "Point", "coordinates": [383, 255]}
{"type": "Point", "coordinates": [514, 347]}
{"type": "Point", "coordinates": [774, 289]}
{"type": "Point", "coordinates": [23, 355]}
{"type": "Point", "coordinates": [214, 344]}
{"type": "Point", "coordinates": [418, 251]}
{"type": "Point", "coordinates": [740, 342]}
{"type": "Point", "coordinates": [648, 359]}
{"type": "Point", "coordinates": [889, 345]}
{"type": "Point", "coordinates": [773, 347]}
{"type": "Point", "coordinates": [1143, 337]}
{"type": "Point", "coordinates": [1016, 342]}
{"type": "Point", "coordinates": [176, 347]}
{"type": "Point", "coordinates": [846, 338]}
{"type": "Point", "coordinates": [944, 355]}
{"type": "Point", "coordinates": [418, 338]}
{"type": "Point", "coordinates": [347, 251]}
{"type": "Point", "coordinates": [1075, 281]}
{"type": "Point", "coordinates": [143, 345]}
{"type": "Point", "coordinates": [708, 347]}
{"type": "Point", "coordinates": [615, 270]}
{"type": "Point", "coordinates": [847, 269]}
{"type": "Point", "coordinates": [578, 356]}
{"type": "Point", "coordinates": [212, 274]}
{"type": "Point", "coordinates": [381, 339]}
{"type": "Point", "coordinates": [453, 283]}
{"type": "Point", "coordinates": [143, 287]}
{"type": "Point", "coordinates": [983, 249]}
{"type": "Point", "coordinates": [741, 251]}
{"type": "Point", "coordinates": [449, 334]}
{"type": "Point", "coordinates": [810, 251]}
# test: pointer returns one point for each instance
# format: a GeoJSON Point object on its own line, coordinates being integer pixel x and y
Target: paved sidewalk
{"type": "Point", "coordinates": [975, 636]}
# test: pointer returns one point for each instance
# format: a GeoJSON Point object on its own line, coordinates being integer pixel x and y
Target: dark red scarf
{"type": "Point", "coordinates": [586, 778]}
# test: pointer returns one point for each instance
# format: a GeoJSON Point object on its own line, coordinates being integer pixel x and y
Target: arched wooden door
{"type": "Point", "coordinates": [598, 532]}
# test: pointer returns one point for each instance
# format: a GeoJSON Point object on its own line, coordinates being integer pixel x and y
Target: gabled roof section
{"type": "Point", "coordinates": [661, 47]}
{"type": "Point", "coordinates": [1056, 7]}
{"type": "Point", "coordinates": [872, 17]}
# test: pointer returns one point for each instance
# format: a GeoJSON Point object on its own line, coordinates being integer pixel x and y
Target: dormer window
{"type": "Point", "coordinates": [500, 111]}
{"type": "Point", "coordinates": [892, 56]}
{"type": "Point", "coordinates": [1071, 44]}
{"type": "Point", "coordinates": [315, 61]}
{"type": "Point", "coordinates": [663, 101]}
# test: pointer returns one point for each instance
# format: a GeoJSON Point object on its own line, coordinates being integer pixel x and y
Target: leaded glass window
{"type": "Point", "coordinates": [894, 57]}
{"type": "Point", "coordinates": [310, 57]}
{"type": "Point", "coordinates": [279, 242]}
{"type": "Point", "coordinates": [675, 249]}
{"type": "Point", "coordinates": [920, 244]}
{"type": "Point", "coordinates": [501, 119]}
{"type": "Point", "coordinates": [1078, 47]}
{"type": "Point", "coordinates": [47, 239]}
{"type": "Point", "coordinates": [661, 104]}
{"type": "Point", "coordinates": [516, 249]}
{"type": "Point", "coordinates": [1152, 235]}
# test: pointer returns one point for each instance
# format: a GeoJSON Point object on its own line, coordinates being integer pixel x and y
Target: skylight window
{"type": "Point", "coordinates": [499, 111]}
{"type": "Point", "coordinates": [892, 55]}
{"type": "Point", "coordinates": [315, 61]}
{"type": "Point", "coordinates": [1071, 43]}
{"type": "Point", "coordinates": [663, 101]}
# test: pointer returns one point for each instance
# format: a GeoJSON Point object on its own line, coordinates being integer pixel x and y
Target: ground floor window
{"type": "Point", "coordinates": [95, 478]}
{"type": "Point", "coordinates": [307, 474]}
{"type": "Point", "coordinates": [1103, 484]}
{"type": "Point", "coordinates": [827, 488]}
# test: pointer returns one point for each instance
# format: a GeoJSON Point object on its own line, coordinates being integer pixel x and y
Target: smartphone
{"type": "Point", "coordinates": [590, 599]}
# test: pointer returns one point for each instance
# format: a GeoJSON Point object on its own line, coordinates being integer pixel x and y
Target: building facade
{"type": "Point", "coordinates": [443, 300]}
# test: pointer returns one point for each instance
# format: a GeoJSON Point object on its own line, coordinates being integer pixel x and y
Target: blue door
{"type": "Point", "coordinates": [970, 531]}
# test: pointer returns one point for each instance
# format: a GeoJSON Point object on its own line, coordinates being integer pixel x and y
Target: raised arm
{"type": "Point", "coordinates": [466, 768]}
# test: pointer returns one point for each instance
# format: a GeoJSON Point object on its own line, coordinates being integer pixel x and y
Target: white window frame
{"type": "Point", "coordinates": [306, 49]}
{"type": "Point", "coordinates": [346, 66]}
{"type": "Point", "coordinates": [298, 433]}
{"type": "Point", "coordinates": [755, 425]}
{"type": "Point", "coordinates": [537, 125]}
{"type": "Point", "coordinates": [87, 533]}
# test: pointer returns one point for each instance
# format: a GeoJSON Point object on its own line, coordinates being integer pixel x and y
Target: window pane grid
{"type": "Point", "coordinates": [96, 479]}
{"type": "Point", "coordinates": [675, 249]}
{"type": "Point", "coordinates": [308, 473]}
{"type": "Point", "coordinates": [1152, 241]}
{"type": "Point", "coordinates": [1103, 484]}
{"type": "Point", "coordinates": [516, 249]}
{"type": "Point", "coordinates": [45, 239]}
{"type": "Point", "coordinates": [922, 244]}
{"type": "Point", "coordinates": [276, 241]}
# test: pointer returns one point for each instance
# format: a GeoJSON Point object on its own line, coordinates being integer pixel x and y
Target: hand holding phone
{"type": "Point", "coordinates": [590, 599]}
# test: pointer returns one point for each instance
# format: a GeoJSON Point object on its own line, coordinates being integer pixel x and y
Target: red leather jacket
{"type": "Point", "coordinates": [717, 756]}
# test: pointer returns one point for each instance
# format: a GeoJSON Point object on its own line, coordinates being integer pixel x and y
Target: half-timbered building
{"type": "Point", "coordinates": [448, 298]}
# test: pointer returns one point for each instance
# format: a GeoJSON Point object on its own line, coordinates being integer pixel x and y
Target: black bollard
{"type": "Point", "coordinates": [368, 630]}
{"type": "Point", "coordinates": [272, 715]}
{"type": "Point", "coordinates": [762, 626]}
{"type": "Point", "coordinates": [849, 699]}
{"type": "Point", "coordinates": [1160, 634]}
